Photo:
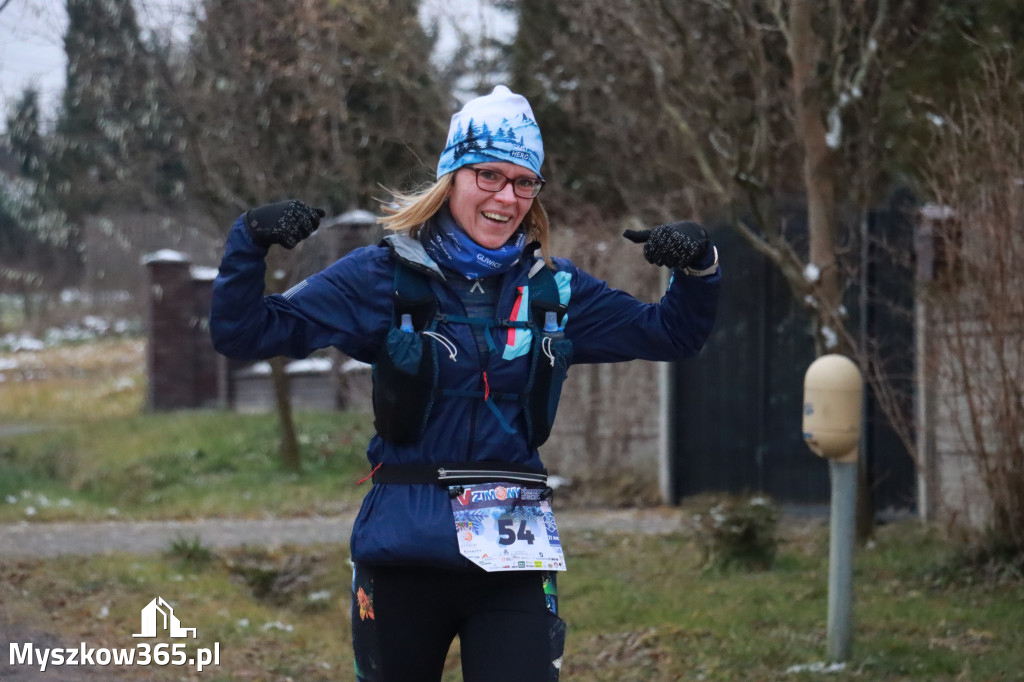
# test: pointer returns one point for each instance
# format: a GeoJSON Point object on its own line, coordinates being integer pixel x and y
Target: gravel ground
{"type": "Point", "coordinates": [47, 540]}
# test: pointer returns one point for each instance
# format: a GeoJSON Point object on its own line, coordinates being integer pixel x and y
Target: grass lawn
{"type": "Point", "coordinates": [91, 451]}
{"type": "Point", "coordinates": [181, 465]}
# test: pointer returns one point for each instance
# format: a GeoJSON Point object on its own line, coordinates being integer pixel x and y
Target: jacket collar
{"type": "Point", "coordinates": [411, 252]}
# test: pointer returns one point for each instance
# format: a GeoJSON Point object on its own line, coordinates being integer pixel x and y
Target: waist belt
{"type": "Point", "coordinates": [462, 473]}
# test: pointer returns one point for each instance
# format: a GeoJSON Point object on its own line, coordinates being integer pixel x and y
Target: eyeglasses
{"type": "Point", "coordinates": [523, 187]}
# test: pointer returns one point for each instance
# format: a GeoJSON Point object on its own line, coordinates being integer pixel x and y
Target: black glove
{"type": "Point", "coordinates": [684, 244]}
{"type": "Point", "coordinates": [286, 223]}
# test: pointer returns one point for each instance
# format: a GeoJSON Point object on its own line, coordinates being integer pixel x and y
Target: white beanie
{"type": "Point", "coordinates": [496, 127]}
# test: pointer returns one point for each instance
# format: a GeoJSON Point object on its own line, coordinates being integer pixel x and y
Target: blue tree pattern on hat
{"type": "Point", "coordinates": [496, 127]}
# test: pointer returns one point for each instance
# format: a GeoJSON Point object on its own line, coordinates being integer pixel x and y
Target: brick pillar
{"type": "Point", "coordinates": [170, 325]}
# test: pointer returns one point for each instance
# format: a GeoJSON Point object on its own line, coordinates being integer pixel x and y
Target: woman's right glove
{"type": "Point", "coordinates": [676, 245]}
{"type": "Point", "coordinates": [286, 223]}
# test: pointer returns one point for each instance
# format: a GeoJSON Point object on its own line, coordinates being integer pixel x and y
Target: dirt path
{"type": "Point", "coordinates": [47, 540]}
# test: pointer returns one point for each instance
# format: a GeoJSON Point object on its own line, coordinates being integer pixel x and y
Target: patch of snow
{"type": "Point", "coordinates": [259, 368]}
{"type": "Point", "coordinates": [936, 212]}
{"type": "Point", "coordinates": [165, 256]}
{"type": "Point", "coordinates": [555, 482]}
{"type": "Point", "coordinates": [203, 273]}
{"type": "Point", "coordinates": [277, 625]}
{"type": "Point", "coordinates": [309, 366]}
{"type": "Point", "coordinates": [816, 668]}
{"type": "Point", "coordinates": [356, 216]}
{"type": "Point", "coordinates": [16, 342]}
{"type": "Point", "coordinates": [834, 135]}
{"type": "Point", "coordinates": [830, 336]}
{"type": "Point", "coordinates": [124, 384]}
{"type": "Point", "coordinates": [353, 365]}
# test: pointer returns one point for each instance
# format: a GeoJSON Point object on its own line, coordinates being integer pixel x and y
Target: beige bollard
{"type": "Point", "coordinates": [833, 392]}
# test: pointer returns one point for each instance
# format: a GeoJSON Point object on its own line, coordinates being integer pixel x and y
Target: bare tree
{"type": "Point", "coordinates": [973, 366]}
{"type": "Point", "coordinates": [745, 107]}
{"type": "Point", "coordinates": [323, 101]}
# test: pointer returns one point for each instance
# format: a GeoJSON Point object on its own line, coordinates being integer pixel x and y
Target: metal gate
{"type": "Point", "coordinates": [735, 422]}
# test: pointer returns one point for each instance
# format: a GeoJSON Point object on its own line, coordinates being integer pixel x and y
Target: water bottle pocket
{"type": "Point", "coordinates": [551, 366]}
{"type": "Point", "coordinates": [403, 387]}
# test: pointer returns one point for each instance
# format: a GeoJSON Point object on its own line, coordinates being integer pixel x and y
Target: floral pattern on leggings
{"type": "Point", "coordinates": [367, 667]}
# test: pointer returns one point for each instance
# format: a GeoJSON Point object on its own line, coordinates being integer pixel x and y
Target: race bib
{"type": "Point", "coordinates": [506, 527]}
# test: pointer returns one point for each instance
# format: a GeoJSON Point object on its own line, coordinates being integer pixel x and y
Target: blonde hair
{"type": "Point", "coordinates": [410, 212]}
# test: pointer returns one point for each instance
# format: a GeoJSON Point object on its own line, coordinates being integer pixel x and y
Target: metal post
{"type": "Point", "coordinates": [833, 404]}
{"type": "Point", "coordinates": [840, 565]}
{"type": "Point", "coordinates": [667, 485]}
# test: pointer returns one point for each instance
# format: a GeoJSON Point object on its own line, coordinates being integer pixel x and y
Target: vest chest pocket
{"type": "Point", "coordinates": [552, 355]}
{"type": "Point", "coordinates": [404, 377]}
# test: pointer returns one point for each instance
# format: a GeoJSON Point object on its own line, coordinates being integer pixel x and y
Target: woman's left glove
{"type": "Point", "coordinates": [286, 223]}
{"type": "Point", "coordinates": [683, 245]}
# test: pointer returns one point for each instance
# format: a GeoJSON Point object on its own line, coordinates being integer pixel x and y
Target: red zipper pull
{"type": "Point", "coordinates": [487, 388]}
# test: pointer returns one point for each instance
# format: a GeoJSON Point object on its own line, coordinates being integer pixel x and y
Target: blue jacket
{"type": "Point", "coordinates": [348, 305]}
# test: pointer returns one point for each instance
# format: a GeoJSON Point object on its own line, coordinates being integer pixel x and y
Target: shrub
{"type": "Point", "coordinates": [275, 577]}
{"type": "Point", "coordinates": [738, 533]}
{"type": "Point", "coordinates": [189, 552]}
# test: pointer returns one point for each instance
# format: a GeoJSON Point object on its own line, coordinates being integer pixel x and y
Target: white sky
{"type": "Point", "coordinates": [32, 39]}
{"type": "Point", "coordinates": [31, 51]}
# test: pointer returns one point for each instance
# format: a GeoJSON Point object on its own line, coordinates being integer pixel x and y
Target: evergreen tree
{"type": "Point", "coordinates": [34, 246]}
{"type": "Point", "coordinates": [106, 107]}
{"type": "Point", "coordinates": [469, 142]}
{"type": "Point", "coordinates": [24, 137]}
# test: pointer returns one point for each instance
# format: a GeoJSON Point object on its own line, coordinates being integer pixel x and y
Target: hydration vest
{"type": "Point", "coordinates": [405, 374]}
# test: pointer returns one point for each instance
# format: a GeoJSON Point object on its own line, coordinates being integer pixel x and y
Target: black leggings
{"type": "Point", "coordinates": [404, 620]}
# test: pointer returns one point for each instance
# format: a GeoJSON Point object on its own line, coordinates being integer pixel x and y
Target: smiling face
{"type": "Point", "coordinates": [489, 218]}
